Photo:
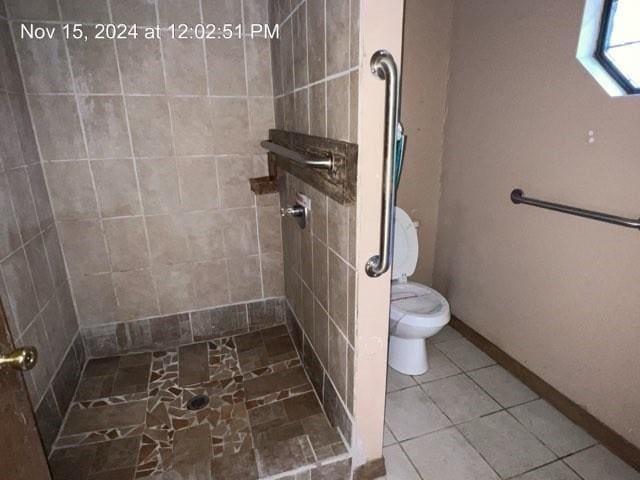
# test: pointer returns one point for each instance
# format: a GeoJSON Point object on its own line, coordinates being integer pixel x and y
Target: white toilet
{"type": "Point", "coordinates": [417, 311]}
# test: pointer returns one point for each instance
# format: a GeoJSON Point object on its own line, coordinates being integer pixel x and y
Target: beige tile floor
{"type": "Point", "coordinates": [469, 419]}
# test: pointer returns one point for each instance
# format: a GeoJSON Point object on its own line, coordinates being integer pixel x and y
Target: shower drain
{"type": "Point", "coordinates": [198, 402]}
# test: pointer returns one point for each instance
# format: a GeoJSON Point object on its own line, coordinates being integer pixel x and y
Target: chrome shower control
{"type": "Point", "coordinates": [299, 211]}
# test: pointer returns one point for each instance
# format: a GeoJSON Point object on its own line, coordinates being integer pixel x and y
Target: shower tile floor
{"type": "Point", "coordinates": [129, 417]}
{"type": "Point", "coordinates": [469, 419]}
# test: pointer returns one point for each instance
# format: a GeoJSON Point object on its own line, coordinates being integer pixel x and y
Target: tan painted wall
{"type": "Point", "coordinates": [427, 33]}
{"type": "Point", "coordinates": [560, 294]}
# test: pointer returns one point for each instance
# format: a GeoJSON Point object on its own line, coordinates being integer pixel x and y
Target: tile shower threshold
{"type": "Point", "coordinates": [129, 418]}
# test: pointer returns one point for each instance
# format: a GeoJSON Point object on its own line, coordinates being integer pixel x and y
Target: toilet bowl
{"type": "Point", "coordinates": [417, 311]}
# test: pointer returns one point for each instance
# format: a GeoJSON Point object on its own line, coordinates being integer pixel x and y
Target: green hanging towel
{"type": "Point", "coordinates": [401, 140]}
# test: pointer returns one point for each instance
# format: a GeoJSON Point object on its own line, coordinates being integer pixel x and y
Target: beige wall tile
{"type": "Point", "coordinates": [22, 119]}
{"type": "Point", "coordinates": [230, 122]}
{"type": "Point", "coordinates": [338, 291]}
{"type": "Point", "coordinates": [338, 108]}
{"type": "Point", "coordinates": [240, 232]}
{"type": "Point", "coordinates": [85, 11]}
{"type": "Point", "coordinates": [301, 111]}
{"type": "Point", "coordinates": [276, 65]}
{"type": "Point", "coordinates": [52, 321]}
{"type": "Point", "coordinates": [127, 243]}
{"type": "Point", "coordinates": [307, 312]}
{"type": "Point", "coordinates": [210, 284]}
{"type": "Point", "coordinates": [354, 34]}
{"type": "Point", "coordinates": [9, 140]}
{"type": "Point", "coordinates": [95, 299]}
{"type": "Point", "coordinates": [192, 125]}
{"type": "Point", "coordinates": [353, 107]}
{"type": "Point", "coordinates": [136, 294]}
{"type": "Point", "coordinates": [159, 185]}
{"type": "Point", "coordinates": [116, 187]}
{"type": "Point", "coordinates": [184, 63]}
{"type": "Point", "coordinates": [222, 11]}
{"type": "Point", "coordinates": [94, 65]}
{"type": "Point", "coordinates": [33, 9]}
{"type": "Point", "coordinates": [40, 195]}
{"type": "Point", "coordinates": [270, 229]}
{"type": "Point", "coordinates": [306, 257]}
{"type": "Point", "coordinates": [167, 239]}
{"type": "Point", "coordinates": [316, 35]}
{"type": "Point", "coordinates": [338, 360]}
{"type": "Point", "coordinates": [174, 287]}
{"type": "Point", "coordinates": [338, 231]}
{"type": "Point", "coordinates": [321, 273]}
{"type": "Point", "coordinates": [225, 59]}
{"type": "Point", "coordinates": [204, 232]}
{"type": "Point", "coordinates": [140, 12]}
{"type": "Point", "coordinates": [105, 126]}
{"type": "Point", "coordinates": [45, 67]}
{"type": "Point", "coordinates": [57, 127]}
{"type": "Point", "coordinates": [54, 254]}
{"type": "Point", "coordinates": [318, 110]}
{"type": "Point", "coordinates": [21, 294]}
{"type": "Point", "coordinates": [9, 234]}
{"type": "Point", "coordinates": [84, 247]}
{"type": "Point", "coordinates": [179, 11]}
{"type": "Point", "coordinates": [244, 279]}
{"type": "Point", "coordinates": [286, 57]}
{"type": "Point", "coordinates": [150, 125]}
{"type": "Point", "coordinates": [299, 25]}
{"type": "Point", "coordinates": [198, 183]}
{"type": "Point", "coordinates": [256, 12]}
{"type": "Point", "coordinates": [272, 274]}
{"type": "Point", "coordinates": [338, 32]}
{"type": "Point", "coordinates": [289, 112]}
{"type": "Point", "coordinates": [351, 302]}
{"type": "Point", "coordinates": [9, 62]}
{"type": "Point", "coordinates": [234, 173]}
{"type": "Point", "coordinates": [261, 117]}
{"type": "Point", "coordinates": [71, 187]}
{"type": "Point", "coordinates": [40, 272]}
{"type": "Point", "coordinates": [141, 64]}
{"type": "Point", "coordinates": [258, 63]}
{"type": "Point", "coordinates": [321, 344]}
{"type": "Point", "coordinates": [23, 206]}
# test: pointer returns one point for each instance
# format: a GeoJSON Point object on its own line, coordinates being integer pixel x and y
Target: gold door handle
{"type": "Point", "coordinates": [24, 358]}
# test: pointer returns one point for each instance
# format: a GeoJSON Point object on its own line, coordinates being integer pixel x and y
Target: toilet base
{"type": "Point", "coordinates": [408, 355]}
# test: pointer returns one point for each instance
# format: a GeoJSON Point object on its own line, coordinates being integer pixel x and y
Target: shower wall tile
{"type": "Point", "coordinates": [32, 9]}
{"type": "Point", "coordinates": [299, 25]}
{"type": "Point", "coordinates": [140, 63]}
{"type": "Point", "coordinates": [231, 124]}
{"type": "Point", "coordinates": [159, 185]}
{"type": "Point", "coordinates": [57, 127]}
{"type": "Point", "coordinates": [316, 39]}
{"type": "Point", "coordinates": [85, 11]}
{"type": "Point", "coordinates": [45, 66]}
{"type": "Point", "coordinates": [126, 242]}
{"type": "Point", "coordinates": [179, 11]}
{"type": "Point", "coordinates": [72, 193]}
{"type": "Point", "coordinates": [185, 67]}
{"type": "Point", "coordinates": [258, 54]}
{"type": "Point", "coordinates": [33, 279]}
{"type": "Point", "coordinates": [84, 247]}
{"type": "Point", "coordinates": [116, 187]}
{"type": "Point", "coordinates": [94, 67]}
{"type": "Point", "coordinates": [338, 108]}
{"type": "Point", "coordinates": [140, 12]}
{"type": "Point", "coordinates": [150, 138]}
{"type": "Point", "coordinates": [105, 126]}
{"type": "Point", "coordinates": [225, 59]}
{"type": "Point", "coordinates": [245, 282]}
{"type": "Point", "coordinates": [317, 110]}
{"type": "Point", "coordinates": [198, 180]}
{"type": "Point", "coordinates": [338, 22]}
{"type": "Point", "coordinates": [222, 11]}
{"type": "Point", "coordinates": [192, 125]}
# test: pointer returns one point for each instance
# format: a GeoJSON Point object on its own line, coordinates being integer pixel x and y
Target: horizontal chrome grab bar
{"type": "Point", "coordinates": [304, 159]}
{"type": "Point", "coordinates": [517, 197]}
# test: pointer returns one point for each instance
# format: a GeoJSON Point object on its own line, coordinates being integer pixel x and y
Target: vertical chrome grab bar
{"type": "Point", "coordinates": [384, 67]}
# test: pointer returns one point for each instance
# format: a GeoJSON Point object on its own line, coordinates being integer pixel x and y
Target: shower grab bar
{"type": "Point", "coordinates": [517, 197]}
{"type": "Point", "coordinates": [384, 67]}
{"type": "Point", "coordinates": [326, 162]}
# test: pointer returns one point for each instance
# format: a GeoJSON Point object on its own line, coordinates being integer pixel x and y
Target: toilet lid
{"type": "Point", "coordinates": [405, 245]}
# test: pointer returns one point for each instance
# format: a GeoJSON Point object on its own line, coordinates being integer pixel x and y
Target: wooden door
{"type": "Point", "coordinates": [21, 454]}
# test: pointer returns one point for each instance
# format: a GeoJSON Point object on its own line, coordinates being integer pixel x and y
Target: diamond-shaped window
{"type": "Point", "coordinates": [619, 43]}
{"type": "Point", "coordinates": [609, 46]}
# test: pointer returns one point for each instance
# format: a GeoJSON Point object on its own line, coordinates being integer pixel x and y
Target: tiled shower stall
{"type": "Point", "coordinates": [125, 171]}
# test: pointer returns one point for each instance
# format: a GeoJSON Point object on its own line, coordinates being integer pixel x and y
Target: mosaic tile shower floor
{"type": "Point", "coordinates": [129, 418]}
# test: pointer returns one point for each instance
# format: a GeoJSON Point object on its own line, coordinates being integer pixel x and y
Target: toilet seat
{"type": "Point", "coordinates": [417, 305]}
